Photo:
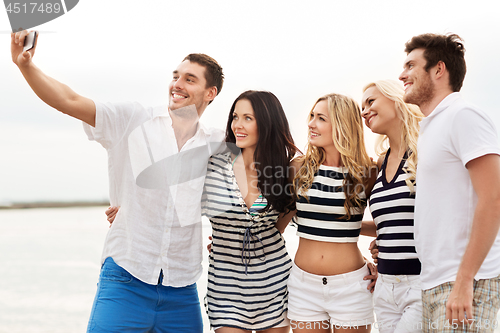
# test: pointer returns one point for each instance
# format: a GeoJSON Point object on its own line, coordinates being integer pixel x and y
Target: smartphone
{"type": "Point", "coordinates": [30, 40]}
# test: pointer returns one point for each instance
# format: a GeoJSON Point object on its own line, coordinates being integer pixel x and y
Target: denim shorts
{"type": "Point", "coordinates": [126, 304]}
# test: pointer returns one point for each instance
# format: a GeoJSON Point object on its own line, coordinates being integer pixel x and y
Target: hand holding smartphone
{"type": "Point", "coordinates": [30, 40]}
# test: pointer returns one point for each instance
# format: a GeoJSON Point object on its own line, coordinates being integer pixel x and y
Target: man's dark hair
{"type": "Point", "coordinates": [213, 71]}
{"type": "Point", "coordinates": [446, 48]}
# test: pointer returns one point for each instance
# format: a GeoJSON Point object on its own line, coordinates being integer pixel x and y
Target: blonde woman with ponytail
{"type": "Point", "coordinates": [397, 295]}
{"type": "Point", "coordinates": [327, 287]}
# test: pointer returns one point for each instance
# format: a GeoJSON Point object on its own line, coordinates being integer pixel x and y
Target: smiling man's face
{"type": "Point", "coordinates": [189, 87]}
{"type": "Point", "coordinates": [419, 87]}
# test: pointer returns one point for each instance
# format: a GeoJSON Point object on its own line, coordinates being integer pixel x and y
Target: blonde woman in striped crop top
{"type": "Point", "coordinates": [397, 296]}
{"type": "Point", "coordinates": [327, 289]}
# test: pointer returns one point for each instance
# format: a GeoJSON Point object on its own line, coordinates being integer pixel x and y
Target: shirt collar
{"type": "Point", "coordinates": [445, 103]}
{"type": "Point", "coordinates": [442, 106]}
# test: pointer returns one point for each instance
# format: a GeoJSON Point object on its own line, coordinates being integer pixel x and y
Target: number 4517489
{"type": "Point", "coordinates": [33, 7]}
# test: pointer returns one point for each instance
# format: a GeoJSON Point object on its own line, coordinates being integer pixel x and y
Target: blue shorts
{"type": "Point", "coordinates": [126, 304]}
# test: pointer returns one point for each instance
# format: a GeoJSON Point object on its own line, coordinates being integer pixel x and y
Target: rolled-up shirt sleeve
{"type": "Point", "coordinates": [112, 122]}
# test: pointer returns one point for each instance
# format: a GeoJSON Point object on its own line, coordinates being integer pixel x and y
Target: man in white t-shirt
{"type": "Point", "coordinates": [157, 160]}
{"type": "Point", "coordinates": [457, 208]}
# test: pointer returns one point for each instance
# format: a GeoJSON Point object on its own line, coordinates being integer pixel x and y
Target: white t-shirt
{"type": "Point", "coordinates": [451, 136]}
{"type": "Point", "coordinates": [158, 188]}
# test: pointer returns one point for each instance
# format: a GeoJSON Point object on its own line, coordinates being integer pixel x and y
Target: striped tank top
{"type": "Point", "coordinates": [392, 207]}
{"type": "Point", "coordinates": [320, 216]}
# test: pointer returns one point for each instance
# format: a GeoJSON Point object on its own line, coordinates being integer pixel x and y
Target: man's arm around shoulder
{"type": "Point", "coordinates": [52, 92]}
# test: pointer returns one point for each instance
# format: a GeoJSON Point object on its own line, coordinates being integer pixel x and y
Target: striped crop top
{"type": "Point", "coordinates": [392, 206]}
{"type": "Point", "coordinates": [321, 217]}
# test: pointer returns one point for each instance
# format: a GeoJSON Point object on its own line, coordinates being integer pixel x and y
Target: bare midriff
{"type": "Point", "coordinates": [327, 258]}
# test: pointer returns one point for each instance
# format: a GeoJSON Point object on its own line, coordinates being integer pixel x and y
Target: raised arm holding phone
{"type": "Point", "coordinates": [152, 255]}
{"type": "Point", "coordinates": [51, 91]}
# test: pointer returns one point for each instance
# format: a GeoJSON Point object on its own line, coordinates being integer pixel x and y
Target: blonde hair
{"type": "Point", "coordinates": [410, 116]}
{"type": "Point", "coordinates": [347, 134]}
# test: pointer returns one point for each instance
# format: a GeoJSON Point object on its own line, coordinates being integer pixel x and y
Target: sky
{"type": "Point", "coordinates": [123, 50]}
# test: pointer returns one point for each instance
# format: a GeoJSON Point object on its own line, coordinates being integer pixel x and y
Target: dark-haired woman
{"type": "Point", "coordinates": [246, 192]}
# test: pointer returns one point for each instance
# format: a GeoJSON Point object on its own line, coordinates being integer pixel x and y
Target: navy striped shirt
{"type": "Point", "coordinates": [248, 264]}
{"type": "Point", "coordinates": [321, 216]}
{"type": "Point", "coordinates": [392, 207]}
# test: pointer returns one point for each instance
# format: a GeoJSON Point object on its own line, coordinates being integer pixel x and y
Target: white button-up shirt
{"type": "Point", "coordinates": [159, 189]}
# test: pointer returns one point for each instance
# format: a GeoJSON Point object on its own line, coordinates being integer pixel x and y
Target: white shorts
{"type": "Point", "coordinates": [342, 299]}
{"type": "Point", "coordinates": [398, 303]}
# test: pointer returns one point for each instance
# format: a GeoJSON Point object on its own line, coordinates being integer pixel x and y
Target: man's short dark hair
{"type": "Point", "coordinates": [213, 71]}
{"type": "Point", "coordinates": [446, 48]}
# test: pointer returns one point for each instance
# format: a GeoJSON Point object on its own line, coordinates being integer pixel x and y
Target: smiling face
{"type": "Point", "coordinates": [188, 87]}
{"type": "Point", "coordinates": [320, 126]}
{"type": "Point", "coordinates": [379, 112]}
{"type": "Point", "coordinates": [419, 87]}
{"type": "Point", "coordinates": [244, 125]}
